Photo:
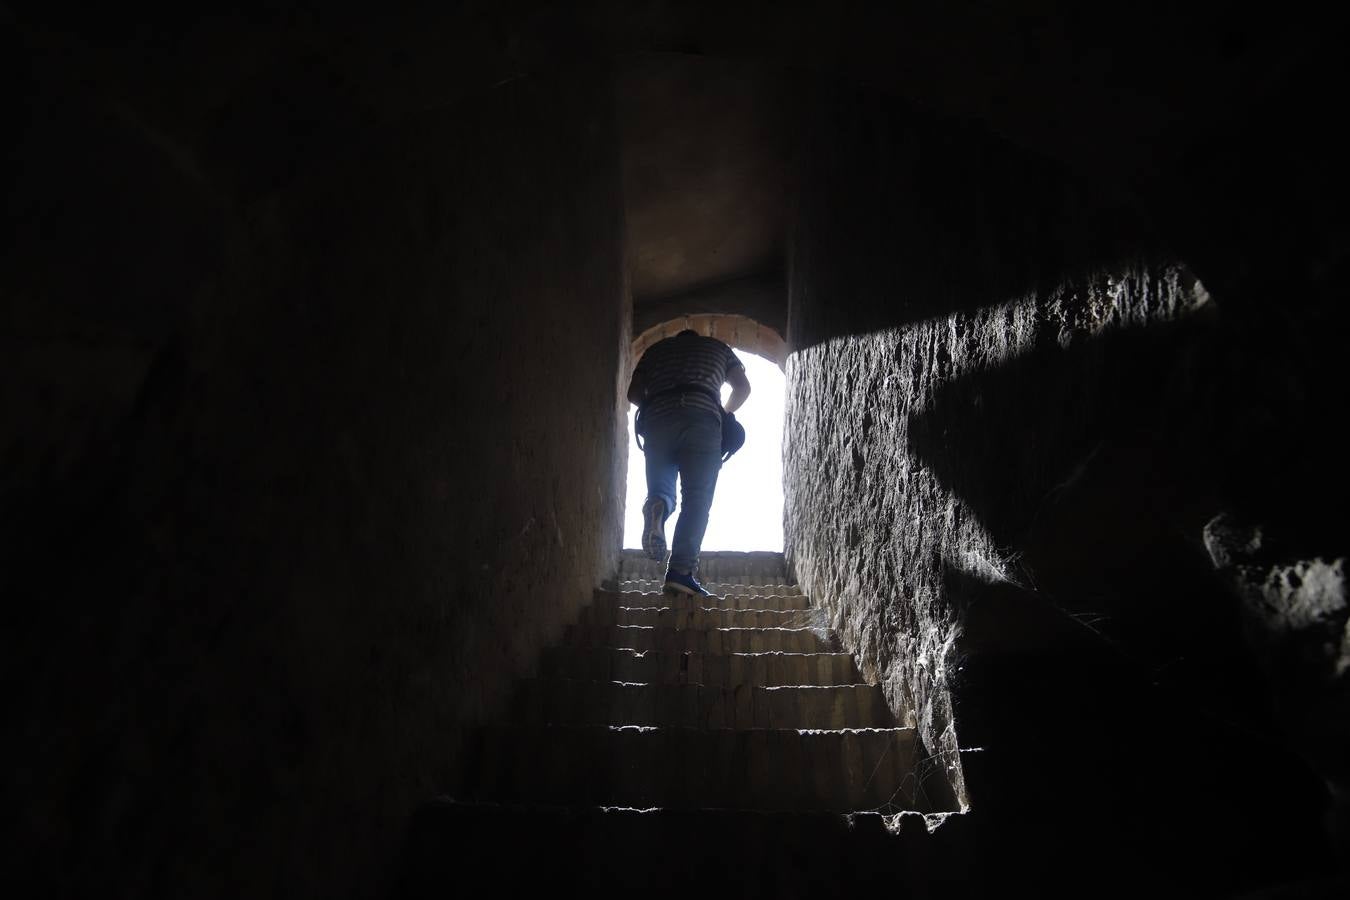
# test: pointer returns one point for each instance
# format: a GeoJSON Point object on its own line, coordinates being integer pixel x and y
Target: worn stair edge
{"type": "Point", "coordinates": [716, 588]}
{"type": "Point", "coordinates": [837, 770]}
{"type": "Point", "coordinates": [723, 669]}
{"type": "Point", "coordinates": [607, 851]}
{"type": "Point", "coordinates": [714, 565]}
{"type": "Point", "coordinates": [569, 701]}
{"type": "Point", "coordinates": [700, 640]}
{"type": "Point", "coordinates": [669, 600]}
{"type": "Point", "coordinates": [702, 617]}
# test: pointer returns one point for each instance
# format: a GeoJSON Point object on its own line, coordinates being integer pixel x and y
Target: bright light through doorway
{"type": "Point", "coordinates": [747, 511]}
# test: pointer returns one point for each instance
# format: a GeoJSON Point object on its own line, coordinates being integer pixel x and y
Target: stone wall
{"type": "Point", "coordinates": [1009, 417]}
{"type": "Point", "coordinates": [877, 522]}
{"type": "Point", "coordinates": [313, 438]}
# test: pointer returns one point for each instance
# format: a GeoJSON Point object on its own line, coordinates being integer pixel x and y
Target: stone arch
{"type": "Point", "coordinates": [739, 332]}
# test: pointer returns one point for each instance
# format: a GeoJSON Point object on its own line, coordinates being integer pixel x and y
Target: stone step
{"type": "Point", "coordinates": [699, 640]}
{"type": "Point", "coordinates": [684, 601]}
{"type": "Point", "coordinates": [723, 566]}
{"type": "Point", "coordinates": [572, 702]}
{"type": "Point", "coordinates": [718, 589]}
{"type": "Point", "coordinates": [723, 669]}
{"type": "Point", "coordinates": [691, 768]}
{"type": "Point", "coordinates": [697, 617]}
{"type": "Point", "coordinates": [528, 850]}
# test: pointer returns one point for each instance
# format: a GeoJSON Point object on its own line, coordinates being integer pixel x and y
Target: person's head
{"type": "Point", "coordinates": [687, 331]}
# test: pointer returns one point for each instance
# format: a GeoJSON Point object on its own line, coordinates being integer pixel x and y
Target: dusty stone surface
{"type": "Point", "coordinates": [874, 530]}
{"type": "Point", "coordinates": [1307, 594]}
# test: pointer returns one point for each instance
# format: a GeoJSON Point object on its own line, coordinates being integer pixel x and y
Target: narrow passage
{"type": "Point", "coordinates": [747, 511]}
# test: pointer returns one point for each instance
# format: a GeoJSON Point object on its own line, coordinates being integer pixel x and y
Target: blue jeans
{"type": "Point", "coordinates": [687, 441]}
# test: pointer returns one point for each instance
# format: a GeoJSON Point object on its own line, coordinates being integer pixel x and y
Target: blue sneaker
{"type": "Point", "coordinates": [654, 528]}
{"type": "Point", "coordinates": [685, 584]}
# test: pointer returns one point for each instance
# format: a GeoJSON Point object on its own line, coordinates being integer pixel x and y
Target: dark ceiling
{"type": "Point", "coordinates": [1167, 106]}
{"type": "Point", "coordinates": [705, 162]}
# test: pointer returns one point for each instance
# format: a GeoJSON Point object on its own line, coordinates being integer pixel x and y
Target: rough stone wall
{"type": "Point", "coordinates": [313, 438]}
{"type": "Point", "coordinates": [923, 254]}
{"type": "Point", "coordinates": [1009, 417]}
{"type": "Point", "coordinates": [876, 529]}
{"type": "Point", "coordinates": [1297, 617]}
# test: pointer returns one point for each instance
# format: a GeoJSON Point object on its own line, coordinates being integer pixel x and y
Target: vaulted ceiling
{"type": "Point", "coordinates": [706, 164]}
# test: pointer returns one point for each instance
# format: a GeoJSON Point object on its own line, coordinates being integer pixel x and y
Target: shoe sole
{"type": "Point", "coordinates": [653, 538]}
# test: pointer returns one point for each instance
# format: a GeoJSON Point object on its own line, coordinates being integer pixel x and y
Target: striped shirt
{"type": "Point", "coordinates": [685, 359]}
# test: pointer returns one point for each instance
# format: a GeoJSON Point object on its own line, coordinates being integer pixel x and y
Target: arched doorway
{"type": "Point", "coordinates": [747, 511]}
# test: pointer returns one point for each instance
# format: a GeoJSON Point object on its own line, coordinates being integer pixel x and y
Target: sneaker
{"type": "Point", "coordinates": [685, 584]}
{"type": "Point", "coordinates": [654, 528]}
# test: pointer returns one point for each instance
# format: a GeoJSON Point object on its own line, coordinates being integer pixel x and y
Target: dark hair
{"type": "Point", "coordinates": [687, 331]}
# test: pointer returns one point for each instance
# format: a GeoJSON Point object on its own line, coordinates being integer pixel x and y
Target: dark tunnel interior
{"type": "Point", "coordinates": [315, 327]}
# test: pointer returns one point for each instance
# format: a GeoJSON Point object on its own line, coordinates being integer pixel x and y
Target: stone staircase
{"type": "Point", "coordinates": [663, 717]}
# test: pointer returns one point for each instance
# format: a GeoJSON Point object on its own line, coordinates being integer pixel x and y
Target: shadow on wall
{"type": "Point", "coordinates": [1082, 753]}
{"type": "Point", "coordinates": [998, 414]}
{"type": "Point", "coordinates": [1008, 503]}
{"type": "Point", "coordinates": [1009, 436]}
{"type": "Point", "coordinates": [1097, 461]}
